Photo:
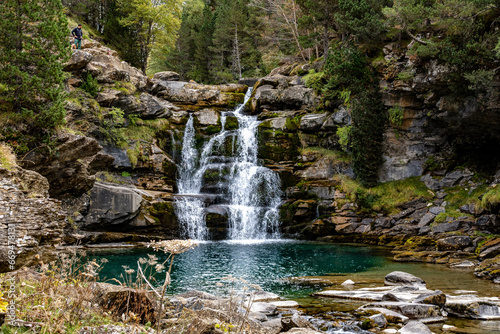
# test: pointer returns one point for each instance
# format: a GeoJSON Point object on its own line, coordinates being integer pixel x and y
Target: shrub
{"type": "Point", "coordinates": [90, 85]}
{"type": "Point", "coordinates": [7, 156]}
{"type": "Point", "coordinates": [396, 114]}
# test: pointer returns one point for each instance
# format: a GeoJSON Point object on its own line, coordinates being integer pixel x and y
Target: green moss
{"type": "Point", "coordinates": [212, 129]}
{"type": "Point", "coordinates": [491, 199]}
{"type": "Point", "coordinates": [234, 99]}
{"type": "Point", "coordinates": [133, 154]}
{"type": "Point", "coordinates": [331, 154]}
{"type": "Point", "coordinates": [385, 197]}
{"type": "Point", "coordinates": [126, 87]}
{"type": "Point", "coordinates": [231, 123]}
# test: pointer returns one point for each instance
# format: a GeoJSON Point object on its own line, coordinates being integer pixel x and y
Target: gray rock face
{"type": "Point", "coordinates": [379, 320]}
{"type": "Point", "coordinates": [112, 205]}
{"type": "Point", "coordinates": [410, 310]}
{"type": "Point", "coordinates": [426, 219]}
{"type": "Point", "coordinates": [153, 107]}
{"type": "Point", "coordinates": [453, 243]}
{"type": "Point", "coordinates": [415, 327]}
{"type": "Point", "coordinates": [79, 59]}
{"type": "Point", "coordinates": [446, 227]}
{"type": "Point", "coordinates": [402, 278]}
{"type": "Point", "coordinates": [39, 221]}
{"type": "Point", "coordinates": [430, 182]}
{"type": "Point", "coordinates": [167, 76]}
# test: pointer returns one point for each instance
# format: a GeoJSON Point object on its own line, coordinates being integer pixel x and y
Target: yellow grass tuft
{"type": "Point", "coordinates": [7, 157]}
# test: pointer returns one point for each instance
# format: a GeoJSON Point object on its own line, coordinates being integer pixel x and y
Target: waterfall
{"type": "Point", "coordinates": [250, 194]}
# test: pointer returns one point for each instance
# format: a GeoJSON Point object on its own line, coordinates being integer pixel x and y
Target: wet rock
{"type": "Point", "coordinates": [296, 321]}
{"type": "Point", "coordinates": [402, 278]}
{"type": "Point", "coordinates": [436, 298]}
{"type": "Point", "coordinates": [379, 320]}
{"type": "Point", "coordinates": [79, 59]}
{"type": "Point", "coordinates": [473, 307]}
{"type": "Point", "coordinates": [489, 268]}
{"type": "Point", "coordinates": [410, 310]}
{"type": "Point", "coordinates": [391, 316]}
{"type": "Point", "coordinates": [390, 297]}
{"type": "Point", "coordinates": [167, 76]}
{"type": "Point", "coordinates": [415, 327]}
{"type": "Point", "coordinates": [207, 117]}
{"type": "Point", "coordinates": [453, 243]}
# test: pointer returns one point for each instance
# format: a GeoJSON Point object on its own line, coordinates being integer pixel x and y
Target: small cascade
{"type": "Point", "coordinates": [225, 177]}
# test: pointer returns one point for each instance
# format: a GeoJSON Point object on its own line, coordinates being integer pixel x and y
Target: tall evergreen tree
{"type": "Point", "coordinates": [34, 44]}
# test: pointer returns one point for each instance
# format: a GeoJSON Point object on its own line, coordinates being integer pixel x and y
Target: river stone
{"type": "Point", "coordinates": [411, 310]}
{"type": "Point", "coordinates": [262, 296]}
{"type": "Point", "coordinates": [265, 308]}
{"type": "Point", "coordinates": [302, 331]}
{"type": "Point", "coordinates": [312, 122]}
{"type": "Point", "coordinates": [167, 76]}
{"type": "Point", "coordinates": [285, 304]}
{"type": "Point", "coordinates": [453, 243]}
{"type": "Point", "coordinates": [379, 320]}
{"type": "Point", "coordinates": [415, 327]}
{"type": "Point", "coordinates": [391, 316]}
{"type": "Point", "coordinates": [257, 316]}
{"type": "Point", "coordinates": [296, 321]}
{"type": "Point", "coordinates": [273, 326]}
{"type": "Point", "coordinates": [436, 298]}
{"type": "Point", "coordinates": [402, 278]}
{"type": "Point", "coordinates": [473, 307]}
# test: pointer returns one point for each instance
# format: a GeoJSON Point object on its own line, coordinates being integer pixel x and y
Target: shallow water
{"type": "Point", "coordinates": [295, 269]}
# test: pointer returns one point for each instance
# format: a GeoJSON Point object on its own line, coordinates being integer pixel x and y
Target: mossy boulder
{"type": "Point", "coordinates": [277, 145]}
{"type": "Point", "coordinates": [231, 123]}
{"type": "Point", "coordinates": [164, 214]}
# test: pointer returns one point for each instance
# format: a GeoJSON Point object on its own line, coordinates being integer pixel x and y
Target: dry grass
{"type": "Point", "coordinates": [7, 157]}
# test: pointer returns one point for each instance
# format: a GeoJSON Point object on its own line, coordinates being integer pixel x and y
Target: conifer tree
{"type": "Point", "coordinates": [34, 43]}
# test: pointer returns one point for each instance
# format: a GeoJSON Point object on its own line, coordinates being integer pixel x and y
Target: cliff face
{"type": "Point", "coordinates": [115, 168]}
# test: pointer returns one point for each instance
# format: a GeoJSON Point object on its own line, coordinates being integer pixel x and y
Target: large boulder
{"type": "Point", "coordinates": [415, 327]}
{"type": "Point", "coordinates": [402, 278]}
{"type": "Point", "coordinates": [453, 243]}
{"type": "Point", "coordinates": [79, 59]}
{"type": "Point", "coordinates": [111, 206]}
{"type": "Point", "coordinates": [312, 122]}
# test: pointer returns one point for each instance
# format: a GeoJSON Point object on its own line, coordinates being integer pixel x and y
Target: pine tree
{"type": "Point", "coordinates": [33, 46]}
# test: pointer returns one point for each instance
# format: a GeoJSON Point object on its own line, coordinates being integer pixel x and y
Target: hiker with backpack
{"type": "Point", "coordinates": [78, 34]}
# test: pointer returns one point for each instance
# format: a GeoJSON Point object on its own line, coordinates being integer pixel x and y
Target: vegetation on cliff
{"type": "Point", "coordinates": [33, 47]}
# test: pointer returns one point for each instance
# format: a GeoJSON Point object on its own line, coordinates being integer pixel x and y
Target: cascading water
{"type": "Point", "coordinates": [250, 194]}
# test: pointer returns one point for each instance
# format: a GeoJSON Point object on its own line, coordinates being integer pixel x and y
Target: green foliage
{"type": "Point", "coordinates": [90, 85]}
{"type": "Point", "coordinates": [33, 47]}
{"type": "Point", "coordinates": [344, 134]}
{"type": "Point", "coordinates": [367, 136]}
{"type": "Point", "coordinates": [405, 75]}
{"type": "Point", "coordinates": [125, 174]}
{"type": "Point", "coordinates": [396, 114]}
{"type": "Point", "coordinates": [480, 79]}
{"type": "Point", "coordinates": [154, 22]}
{"type": "Point", "coordinates": [217, 42]}
{"type": "Point", "coordinates": [110, 124]}
{"type": "Point", "coordinates": [491, 199]}
{"type": "Point", "coordinates": [385, 197]}
{"type": "Point", "coordinates": [315, 80]}
{"type": "Point", "coordinates": [331, 154]}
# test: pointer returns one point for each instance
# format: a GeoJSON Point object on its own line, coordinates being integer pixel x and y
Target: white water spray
{"type": "Point", "coordinates": [251, 194]}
